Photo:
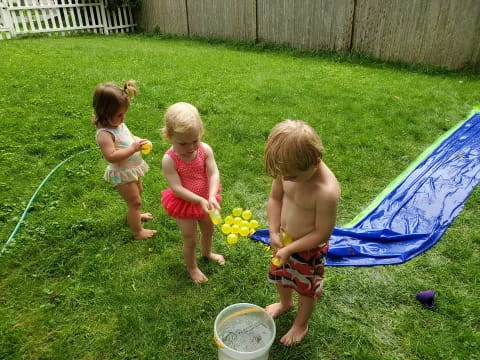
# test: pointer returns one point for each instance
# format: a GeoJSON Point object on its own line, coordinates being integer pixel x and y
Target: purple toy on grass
{"type": "Point", "coordinates": [427, 298]}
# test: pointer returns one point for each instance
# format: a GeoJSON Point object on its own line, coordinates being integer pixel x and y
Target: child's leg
{"type": "Point", "coordinates": [131, 194]}
{"type": "Point", "coordinates": [285, 304]}
{"type": "Point", "coordinates": [207, 229]}
{"type": "Point", "coordinates": [143, 216]}
{"type": "Point", "coordinates": [188, 228]}
{"type": "Point", "coordinates": [299, 329]}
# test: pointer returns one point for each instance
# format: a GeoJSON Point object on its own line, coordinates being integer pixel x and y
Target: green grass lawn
{"type": "Point", "coordinates": [74, 285]}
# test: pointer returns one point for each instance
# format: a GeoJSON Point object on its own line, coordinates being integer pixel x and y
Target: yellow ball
{"type": "Point", "coordinates": [285, 238]}
{"type": "Point", "coordinates": [146, 148]}
{"type": "Point", "coordinates": [253, 224]}
{"type": "Point", "coordinates": [276, 261]}
{"type": "Point", "coordinates": [226, 229]}
{"type": "Point", "coordinates": [235, 229]}
{"type": "Point", "coordinates": [247, 214]}
{"type": "Point", "coordinates": [237, 220]}
{"type": "Point", "coordinates": [237, 211]}
{"type": "Point", "coordinates": [232, 239]}
{"type": "Point", "coordinates": [229, 219]}
{"type": "Point", "coordinates": [244, 231]}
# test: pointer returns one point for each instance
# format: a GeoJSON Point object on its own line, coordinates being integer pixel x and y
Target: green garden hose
{"type": "Point", "coordinates": [25, 212]}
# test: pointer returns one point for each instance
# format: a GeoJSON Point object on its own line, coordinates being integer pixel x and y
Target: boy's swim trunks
{"type": "Point", "coordinates": [303, 272]}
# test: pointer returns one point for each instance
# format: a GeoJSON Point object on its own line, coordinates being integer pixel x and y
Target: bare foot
{"type": "Point", "coordinates": [277, 309]}
{"type": "Point", "coordinates": [146, 216]}
{"type": "Point", "coordinates": [294, 335]}
{"type": "Point", "coordinates": [144, 234]}
{"type": "Point", "coordinates": [216, 257]}
{"type": "Point", "coordinates": [197, 275]}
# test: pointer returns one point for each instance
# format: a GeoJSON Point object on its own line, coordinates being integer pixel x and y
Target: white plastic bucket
{"type": "Point", "coordinates": [244, 332]}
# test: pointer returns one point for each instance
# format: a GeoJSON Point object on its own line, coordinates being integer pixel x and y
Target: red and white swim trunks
{"type": "Point", "coordinates": [303, 272]}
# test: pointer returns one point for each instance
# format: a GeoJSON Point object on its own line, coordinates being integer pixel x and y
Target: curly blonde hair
{"type": "Point", "coordinates": [180, 118]}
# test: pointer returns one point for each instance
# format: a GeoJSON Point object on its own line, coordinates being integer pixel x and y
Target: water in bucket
{"type": "Point", "coordinates": [244, 332]}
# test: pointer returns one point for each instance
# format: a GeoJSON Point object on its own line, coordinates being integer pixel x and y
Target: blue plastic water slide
{"type": "Point", "coordinates": [412, 214]}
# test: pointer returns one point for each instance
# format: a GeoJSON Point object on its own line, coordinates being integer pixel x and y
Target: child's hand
{"type": "Point", "coordinates": [275, 242]}
{"type": "Point", "coordinates": [137, 144]}
{"type": "Point", "coordinates": [213, 203]}
{"type": "Point", "coordinates": [204, 205]}
{"type": "Point", "coordinates": [283, 254]}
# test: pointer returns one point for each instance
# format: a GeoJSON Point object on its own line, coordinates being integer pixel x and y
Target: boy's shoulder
{"type": "Point", "coordinates": [327, 185]}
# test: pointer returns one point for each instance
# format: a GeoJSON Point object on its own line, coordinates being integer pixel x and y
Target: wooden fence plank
{"type": "Point", "coordinates": [73, 17]}
{"type": "Point", "coordinates": [5, 21]}
{"type": "Point", "coordinates": [315, 24]}
{"type": "Point", "coordinates": [234, 19]}
{"type": "Point", "coordinates": [166, 16]}
{"type": "Point", "coordinates": [38, 19]}
{"type": "Point", "coordinates": [119, 18]}
{"type": "Point", "coordinates": [105, 21]}
{"type": "Point", "coordinates": [79, 17]}
{"type": "Point", "coordinates": [92, 19]}
{"type": "Point", "coordinates": [113, 16]}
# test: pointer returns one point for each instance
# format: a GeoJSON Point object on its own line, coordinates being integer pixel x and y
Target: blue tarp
{"type": "Point", "coordinates": [414, 215]}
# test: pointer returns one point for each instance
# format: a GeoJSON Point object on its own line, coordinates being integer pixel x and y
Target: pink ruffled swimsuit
{"type": "Point", "coordinates": [194, 177]}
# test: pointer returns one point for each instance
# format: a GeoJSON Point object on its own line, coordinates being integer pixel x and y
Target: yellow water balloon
{"type": "Point", "coordinates": [276, 261]}
{"type": "Point", "coordinates": [146, 148]}
{"type": "Point", "coordinates": [247, 214]}
{"type": "Point", "coordinates": [285, 238]}
{"type": "Point", "coordinates": [232, 239]}
{"type": "Point", "coordinates": [244, 231]}
{"type": "Point", "coordinates": [229, 219]}
{"type": "Point", "coordinates": [226, 229]}
{"type": "Point", "coordinates": [237, 211]}
{"type": "Point", "coordinates": [235, 229]}
{"type": "Point", "coordinates": [237, 220]}
{"type": "Point", "coordinates": [253, 224]}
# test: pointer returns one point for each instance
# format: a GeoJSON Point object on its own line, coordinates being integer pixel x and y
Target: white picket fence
{"type": "Point", "coordinates": [18, 17]}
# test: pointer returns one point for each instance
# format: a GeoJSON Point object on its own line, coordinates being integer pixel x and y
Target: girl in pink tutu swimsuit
{"type": "Point", "coordinates": [192, 174]}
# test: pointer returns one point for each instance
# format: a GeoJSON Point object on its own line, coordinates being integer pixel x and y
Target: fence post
{"type": "Point", "coordinates": [104, 16]}
{"type": "Point", "coordinates": [7, 18]}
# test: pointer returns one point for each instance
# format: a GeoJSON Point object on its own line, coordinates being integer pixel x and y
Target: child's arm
{"type": "Point", "coordinates": [213, 176]}
{"type": "Point", "coordinates": [112, 155]}
{"type": "Point", "coordinates": [274, 210]}
{"type": "Point", "coordinates": [174, 182]}
{"type": "Point", "coordinates": [325, 219]}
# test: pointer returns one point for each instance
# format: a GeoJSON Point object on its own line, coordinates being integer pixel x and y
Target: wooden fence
{"type": "Point", "coordinates": [18, 17]}
{"type": "Point", "coordinates": [444, 33]}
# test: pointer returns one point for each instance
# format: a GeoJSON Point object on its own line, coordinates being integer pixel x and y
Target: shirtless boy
{"type": "Point", "coordinates": [303, 203]}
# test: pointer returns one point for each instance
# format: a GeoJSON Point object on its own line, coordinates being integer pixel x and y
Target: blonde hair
{"type": "Point", "coordinates": [108, 98]}
{"type": "Point", "coordinates": [292, 146]}
{"type": "Point", "coordinates": [181, 118]}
